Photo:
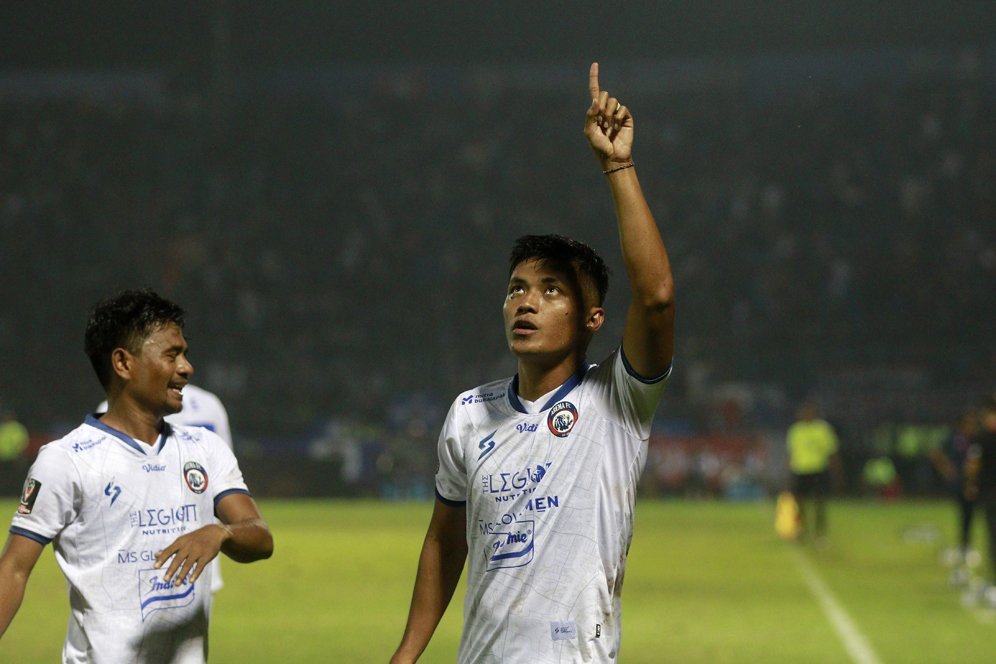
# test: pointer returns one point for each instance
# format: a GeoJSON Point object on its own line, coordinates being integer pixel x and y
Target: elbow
{"type": "Point", "coordinates": [266, 551]}
{"type": "Point", "coordinates": [659, 301]}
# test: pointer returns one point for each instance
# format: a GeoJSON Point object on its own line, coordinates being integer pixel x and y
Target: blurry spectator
{"type": "Point", "coordinates": [812, 450]}
{"type": "Point", "coordinates": [13, 442]}
{"type": "Point", "coordinates": [879, 475]}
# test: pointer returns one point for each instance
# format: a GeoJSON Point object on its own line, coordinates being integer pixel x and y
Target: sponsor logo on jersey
{"type": "Point", "coordinates": [29, 494]}
{"type": "Point", "coordinates": [163, 517]}
{"type": "Point", "coordinates": [157, 594]}
{"type": "Point", "coordinates": [518, 480]}
{"type": "Point", "coordinates": [487, 444]}
{"type": "Point", "coordinates": [112, 490]}
{"type": "Point", "coordinates": [86, 444]}
{"type": "Point", "coordinates": [511, 544]}
{"type": "Point", "coordinates": [195, 476]}
{"type": "Point", "coordinates": [562, 419]}
{"type": "Point", "coordinates": [481, 398]}
{"type": "Point", "coordinates": [154, 467]}
{"type": "Point", "coordinates": [524, 427]}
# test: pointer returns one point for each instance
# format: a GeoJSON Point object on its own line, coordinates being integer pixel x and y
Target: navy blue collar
{"type": "Point", "coordinates": [95, 422]}
{"type": "Point", "coordinates": [567, 386]}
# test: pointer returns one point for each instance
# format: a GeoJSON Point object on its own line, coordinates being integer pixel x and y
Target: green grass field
{"type": "Point", "coordinates": [706, 582]}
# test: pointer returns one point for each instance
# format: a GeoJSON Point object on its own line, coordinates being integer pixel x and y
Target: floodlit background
{"type": "Point", "coordinates": [330, 190]}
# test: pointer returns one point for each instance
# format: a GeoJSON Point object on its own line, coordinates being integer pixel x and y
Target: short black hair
{"type": "Point", "coordinates": [125, 320]}
{"type": "Point", "coordinates": [566, 252]}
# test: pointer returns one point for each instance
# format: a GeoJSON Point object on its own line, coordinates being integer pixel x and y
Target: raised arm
{"type": "Point", "coordinates": [440, 564]}
{"type": "Point", "coordinates": [16, 562]}
{"type": "Point", "coordinates": [648, 338]}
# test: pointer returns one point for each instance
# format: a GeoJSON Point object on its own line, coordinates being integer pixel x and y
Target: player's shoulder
{"type": "Point", "coordinates": [84, 440]}
{"type": "Point", "coordinates": [489, 393]}
{"type": "Point", "coordinates": [89, 434]}
{"type": "Point", "coordinates": [189, 434]}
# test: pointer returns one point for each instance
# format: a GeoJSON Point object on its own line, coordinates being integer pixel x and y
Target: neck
{"type": "Point", "coordinates": [140, 425]}
{"type": "Point", "coordinates": [536, 379]}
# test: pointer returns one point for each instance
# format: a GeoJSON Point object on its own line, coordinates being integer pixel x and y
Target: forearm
{"type": "Point", "coordinates": [12, 587]}
{"type": "Point", "coordinates": [440, 565]}
{"type": "Point", "coordinates": [643, 251]}
{"type": "Point", "coordinates": [247, 541]}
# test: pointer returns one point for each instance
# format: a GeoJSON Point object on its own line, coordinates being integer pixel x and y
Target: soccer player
{"type": "Point", "coordinates": [201, 408]}
{"type": "Point", "coordinates": [537, 473]}
{"type": "Point", "coordinates": [128, 500]}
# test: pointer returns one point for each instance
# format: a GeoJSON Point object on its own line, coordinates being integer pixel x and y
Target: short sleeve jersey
{"type": "Point", "coordinates": [550, 490]}
{"type": "Point", "coordinates": [204, 409]}
{"type": "Point", "coordinates": [108, 503]}
{"type": "Point", "coordinates": [810, 445]}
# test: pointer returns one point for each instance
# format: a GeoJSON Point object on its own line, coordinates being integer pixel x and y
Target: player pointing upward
{"type": "Point", "coordinates": [537, 473]}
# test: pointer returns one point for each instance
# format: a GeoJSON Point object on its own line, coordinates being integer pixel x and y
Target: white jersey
{"type": "Point", "coordinates": [201, 409]}
{"type": "Point", "coordinates": [550, 491]}
{"type": "Point", "coordinates": [108, 504]}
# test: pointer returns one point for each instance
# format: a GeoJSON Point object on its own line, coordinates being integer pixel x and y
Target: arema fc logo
{"type": "Point", "coordinates": [562, 419]}
{"type": "Point", "coordinates": [195, 476]}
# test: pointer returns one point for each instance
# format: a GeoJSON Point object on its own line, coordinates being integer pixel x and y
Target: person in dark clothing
{"type": "Point", "coordinates": [980, 485]}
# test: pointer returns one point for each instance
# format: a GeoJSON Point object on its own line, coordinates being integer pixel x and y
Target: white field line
{"type": "Point", "coordinates": [854, 641]}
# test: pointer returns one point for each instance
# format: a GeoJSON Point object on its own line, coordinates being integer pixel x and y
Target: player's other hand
{"type": "Point", "coordinates": [191, 553]}
{"type": "Point", "coordinates": [608, 124]}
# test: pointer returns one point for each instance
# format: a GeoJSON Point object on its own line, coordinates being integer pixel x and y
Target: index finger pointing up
{"type": "Point", "coordinates": [593, 80]}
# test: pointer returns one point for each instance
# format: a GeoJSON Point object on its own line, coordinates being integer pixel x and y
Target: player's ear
{"type": "Point", "coordinates": [596, 317]}
{"type": "Point", "coordinates": [121, 363]}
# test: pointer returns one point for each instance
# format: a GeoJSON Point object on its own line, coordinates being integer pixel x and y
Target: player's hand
{"type": "Point", "coordinates": [608, 124]}
{"type": "Point", "coordinates": [191, 553]}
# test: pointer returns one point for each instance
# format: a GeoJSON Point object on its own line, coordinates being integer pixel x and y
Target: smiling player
{"type": "Point", "coordinates": [128, 501]}
{"type": "Point", "coordinates": [537, 473]}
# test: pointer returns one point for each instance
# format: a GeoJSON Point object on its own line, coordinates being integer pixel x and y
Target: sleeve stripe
{"type": "Point", "coordinates": [228, 493]}
{"type": "Point", "coordinates": [632, 372]}
{"type": "Point", "coordinates": [41, 539]}
{"type": "Point", "coordinates": [447, 501]}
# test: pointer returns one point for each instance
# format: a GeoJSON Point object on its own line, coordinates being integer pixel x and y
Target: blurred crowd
{"type": "Point", "coordinates": [340, 247]}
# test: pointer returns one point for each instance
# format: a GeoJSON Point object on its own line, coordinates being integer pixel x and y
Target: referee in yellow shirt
{"type": "Point", "coordinates": [812, 452]}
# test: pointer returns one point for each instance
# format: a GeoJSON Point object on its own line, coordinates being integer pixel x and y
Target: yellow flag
{"type": "Point", "coordinates": [787, 523]}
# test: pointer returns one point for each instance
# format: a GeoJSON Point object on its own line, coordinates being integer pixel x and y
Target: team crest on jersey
{"type": "Point", "coordinates": [195, 476]}
{"type": "Point", "coordinates": [28, 496]}
{"type": "Point", "coordinates": [562, 419]}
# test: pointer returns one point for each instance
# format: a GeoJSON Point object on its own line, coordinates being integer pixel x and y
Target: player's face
{"type": "Point", "coordinates": [545, 316]}
{"type": "Point", "coordinates": [160, 371]}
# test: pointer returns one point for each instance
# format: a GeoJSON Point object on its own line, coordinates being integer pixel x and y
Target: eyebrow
{"type": "Point", "coordinates": [544, 280]}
